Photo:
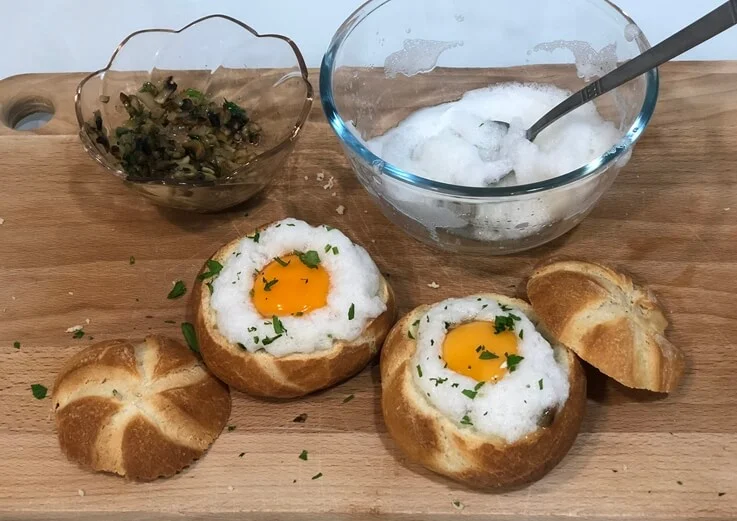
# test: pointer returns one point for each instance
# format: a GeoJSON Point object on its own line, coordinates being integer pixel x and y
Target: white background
{"type": "Point", "coordinates": [79, 35]}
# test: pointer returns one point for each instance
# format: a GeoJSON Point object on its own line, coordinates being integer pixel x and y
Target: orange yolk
{"type": "Point", "coordinates": [475, 350]}
{"type": "Point", "coordinates": [290, 287]}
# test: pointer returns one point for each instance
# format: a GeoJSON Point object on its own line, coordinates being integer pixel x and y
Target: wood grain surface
{"type": "Point", "coordinates": [70, 229]}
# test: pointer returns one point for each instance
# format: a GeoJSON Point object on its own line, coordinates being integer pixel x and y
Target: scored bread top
{"type": "Point", "coordinates": [142, 410]}
{"type": "Point", "coordinates": [608, 321]}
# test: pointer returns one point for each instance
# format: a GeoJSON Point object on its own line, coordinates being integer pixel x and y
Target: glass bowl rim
{"type": "Point", "coordinates": [594, 167]}
{"type": "Point", "coordinates": [250, 165]}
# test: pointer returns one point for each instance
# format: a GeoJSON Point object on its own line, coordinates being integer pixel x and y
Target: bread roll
{"type": "Point", "coordinates": [608, 321]}
{"type": "Point", "coordinates": [142, 410]}
{"type": "Point", "coordinates": [430, 438]}
{"type": "Point", "coordinates": [262, 374]}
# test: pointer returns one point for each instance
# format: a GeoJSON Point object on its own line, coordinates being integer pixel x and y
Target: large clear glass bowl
{"type": "Point", "coordinates": [225, 59]}
{"type": "Point", "coordinates": [393, 57]}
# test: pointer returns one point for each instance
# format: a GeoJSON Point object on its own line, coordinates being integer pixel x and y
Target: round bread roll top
{"type": "Point", "coordinates": [290, 309]}
{"type": "Point", "coordinates": [608, 321]}
{"type": "Point", "coordinates": [142, 410]}
{"type": "Point", "coordinates": [480, 457]}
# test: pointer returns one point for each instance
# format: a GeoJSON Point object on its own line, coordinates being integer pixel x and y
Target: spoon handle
{"type": "Point", "coordinates": [714, 23]}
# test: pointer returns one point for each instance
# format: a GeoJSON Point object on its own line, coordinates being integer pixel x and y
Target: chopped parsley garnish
{"type": "Point", "coordinates": [279, 328]}
{"type": "Point", "coordinates": [209, 286]}
{"type": "Point", "coordinates": [190, 336]}
{"type": "Point", "coordinates": [241, 346]}
{"type": "Point", "coordinates": [512, 361]}
{"type": "Point", "coordinates": [231, 428]}
{"type": "Point", "coordinates": [255, 237]}
{"type": "Point", "coordinates": [454, 385]}
{"type": "Point", "coordinates": [255, 340]}
{"type": "Point", "coordinates": [410, 335]}
{"type": "Point", "coordinates": [504, 323]}
{"type": "Point", "coordinates": [303, 455]}
{"type": "Point", "coordinates": [419, 371]}
{"type": "Point", "coordinates": [268, 340]}
{"type": "Point", "coordinates": [479, 386]}
{"type": "Point", "coordinates": [328, 247]}
{"type": "Point", "coordinates": [416, 323]}
{"type": "Point", "coordinates": [317, 476]}
{"type": "Point", "coordinates": [252, 329]}
{"type": "Point", "coordinates": [132, 260]}
{"type": "Point", "coordinates": [540, 384]}
{"type": "Point", "coordinates": [178, 290]}
{"type": "Point", "coordinates": [281, 262]}
{"type": "Point", "coordinates": [39, 391]}
{"type": "Point", "coordinates": [469, 393]}
{"type": "Point", "coordinates": [79, 333]}
{"type": "Point", "coordinates": [213, 268]}
{"type": "Point", "coordinates": [351, 312]}
{"type": "Point", "coordinates": [466, 420]}
{"type": "Point", "coordinates": [310, 258]}
{"type": "Point", "coordinates": [522, 333]}
{"type": "Point", "coordinates": [335, 250]}
{"type": "Point", "coordinates": [487, 355]}
{"type": "Point", "coordinates": [438, 381]}
{"type": "Point", "coordinates": [268, 284]}
{"type": "Point", "coordinates": [480, 348]}
{"type": "Point", "coordinates": [16, 345]}
{"type": "Point", "coordinates": [447, 325]}
{"type": "Point", "coordinates": [301, 418]}
{"type": "Point", "coordinates": [505, 307]}
{"type": "Point", "coordinates": [348, 398]}
{"type": "Point", "coordinates": [290, 224]}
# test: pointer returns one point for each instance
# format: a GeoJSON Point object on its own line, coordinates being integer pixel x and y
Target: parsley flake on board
{"type": "Point", "coordinates": [419, 370]}
{"type": "Point", "coordinates": [303, 455]}
{"type": "Point", "coordinates": [309, 258]}
{"type": "Point", "coordinates": [351, 312]}
{"type": "Point", "coordinates": [281, 262]}
{"type": "Point", "coordinates": [513, 361]}
{"type": "Point", "coordinates": [16, 345]}
{"type": "Point", "coordinates": [190, 336]}
{"type": "Point", "coordinates": [466, 420]}
{"type": "Point", "coordinates": [469, 393]}
{"type": "Point", "coordinates": [317, 476]}
{"type": "Point", "coordinates": [213, 269]}
{"type": "Point", "coordinates": [178, 290]}
{"type": "Point", "coordinates": [231, 428]}
{"type": "Point", "coordinates": [301, 418]}
{"type": "Point", "coordinates": [348, 398]}
{"type": "Point", "coordinates": [132, 260]}
{"type": "Point", "coordinates": [241, 454]}
{"type": "Point", "coordinates": [268, 284]}
{"type": "Point", "coordinates": [39, 391]}
{"type": "Point", "coordinates": [279, 328]}
{"type": "Point", "coordinates": [79, 333]}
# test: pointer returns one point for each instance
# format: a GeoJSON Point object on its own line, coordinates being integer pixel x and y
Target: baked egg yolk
{"type": "Point", "coordinates": [477, 351]}
{"type": "Point", "coordinates": [287, 286]}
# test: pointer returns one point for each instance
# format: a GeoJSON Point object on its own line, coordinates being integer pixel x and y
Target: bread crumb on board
{"type": "Point", "coordinates": [433, 285]}
{"type": "Point", "coordinates": [340, 209]}
{"type": "Point", "coordinates": [230, 488]}
{"type": "Point", "coordinates": [330, 184]}
{"type": "Point", "coordinates": [307, 177]}
{"type": "Point", "coordinates": [87, 320]}
{"type": "Point", "coordinates": [74, 329]}
{"type": "Point", "coordinates": [71, 293]}
{"type": "Point", "coordinates": [80, 492]}
{"type": "Point", "coordinates": [320, 176]}
{"type": "Point", "coordinates": [2, 221]}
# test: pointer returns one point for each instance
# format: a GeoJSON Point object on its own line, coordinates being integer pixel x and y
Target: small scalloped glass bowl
{"type": "Point", "coordinates": [391, 58]}
{"type": "Point", "coordinates": [223, 58]}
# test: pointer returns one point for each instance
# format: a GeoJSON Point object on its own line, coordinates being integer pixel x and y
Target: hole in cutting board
{"type": "Point", "coordinates": [29, 113]}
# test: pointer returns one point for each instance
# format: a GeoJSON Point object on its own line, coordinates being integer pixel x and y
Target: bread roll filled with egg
{"type": "Point", "coordinates": [290, 309]}
{"type": "Point", "coordinates": [474, 389]}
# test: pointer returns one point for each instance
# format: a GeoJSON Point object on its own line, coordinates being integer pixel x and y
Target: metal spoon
{"type": "Point", "coordinates": [714, 23]}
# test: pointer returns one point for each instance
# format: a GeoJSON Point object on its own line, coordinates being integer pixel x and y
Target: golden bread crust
{"type": "Point", "coordinates": [142, 410]}
{"type": "Point", "coordinates": [266, 376]}
{"type": "Point", "coordinates": [429, 438]}
{"type": "Point", "coordinates": [614, 325]}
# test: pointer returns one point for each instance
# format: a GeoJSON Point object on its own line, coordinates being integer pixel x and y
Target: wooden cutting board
{"type": "Point", "coordinates": [70, 229]}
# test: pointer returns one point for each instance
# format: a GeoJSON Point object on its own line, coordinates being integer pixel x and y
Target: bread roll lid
{"type": "Point", "coordinates": [608, 321]}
